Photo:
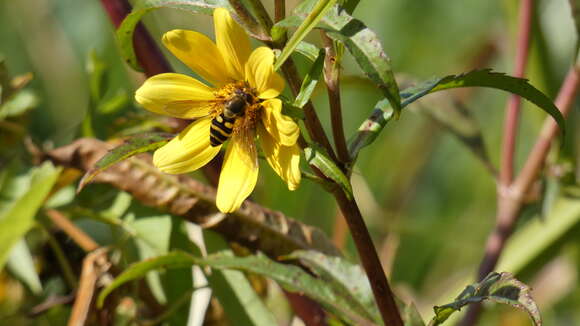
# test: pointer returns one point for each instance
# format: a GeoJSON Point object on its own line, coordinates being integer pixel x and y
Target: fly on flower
{"type": "Point", "coordinates": [235, 108]}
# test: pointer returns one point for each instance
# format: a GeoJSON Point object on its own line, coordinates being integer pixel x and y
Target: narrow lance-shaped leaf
{"type": "Point", "coordinates": [310, 81]}
{"type": "Point", "coordinates": [290, 277]}
{"type": "Point", "coordinates": [317, 11]}
{"type": "Point", "coordinates": [132, 146]}
{"type": "Point", "coordinates": [345, 277]}
{"type": "Point", "coordinates": [496, 287]}
{"type": "Point", "coordinates": [310, 51]}
{"type": "Point", "coordinates": [125, 31]}
{"type": "Point", "coordinates": [362, 43]}
{"type": "Point", "coordinates": [19, 215]}
{"type": "Point", "coordinates": [320, 160]}
{"type": "Point", "coordinates": [476, 78]}
{"type": "Point", "coordinates": [140, 269]}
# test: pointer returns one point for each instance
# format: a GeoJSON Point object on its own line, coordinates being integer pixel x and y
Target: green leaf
{"type": "Point", "coordinates": [490, 79]}
{"type": "Point", "coordinates": [317, 157]}
{"type": "Point", "coordinates": [362, 43]}
{"type": "Point", "coordinates": [310, 81]}
{"type": "Point", "coordinates": [140, 269]}
{"type": "Point", "coordinates": [151, 239]}
{"type": "Point", "coordinates": [132, 146]}
{"type": "Point", "coordinates": [290, 277]}
{"type": "Point", "coordinates": [313, 16]}
{"type": "Point", "coordinates": [496, 287]}
{"type": "Point", "coordinates": [308, 50]}
{"type": "Point", "coordinates": [234, 291]}
{"type": "Point", "coordinates": [346, 278]}
{"type": "Point", "coordinates": [21, 265]}
{"type": "Point", "coordinates": [370, 128]}
{"type": "Point", "coordinates": [125, 31]}
{"type": "Point", "coordinates": [349, 5]}
{"type": "Point", "coordinates": [18, 104]}
{"type": "Point", "coordinates": [18, 217]}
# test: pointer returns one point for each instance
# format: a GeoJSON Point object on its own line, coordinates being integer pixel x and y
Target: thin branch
{"type": "Point", "coordinates": [514, 101]}
{"type": "Point", "coordinates": [332, 79]}
{"type": "Point", "coordinates": [95, 265]}
{"type": "Point", "coordinates": [77, 235]}
{"type": "Point", "coordinates": [511, 201]}
{"type": "Point", "coordinates": [538, 155]}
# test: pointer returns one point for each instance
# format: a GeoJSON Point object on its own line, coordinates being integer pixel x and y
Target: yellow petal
{"type": "Point", "coordinates": [238, 177]}
{"type": "Point", "coordinates": [199, 53]}
{"type": "Point", "coordinates": [176, 95]}
{"type": "Point", "coordinates": [232, 42]}
{"type": "Point", "coordinates": [285, 160]}
{"type": "Point", "coordinates": [281, 127]}
{"type": "Point", "coordinates": [187, 152]}
{"type": "Point", "coordinates": [260, 73]}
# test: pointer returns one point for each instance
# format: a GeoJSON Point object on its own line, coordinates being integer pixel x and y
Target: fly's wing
{"type": "Point", "coordinates": [245, 138]}
{"type": "Point", "coordinates": [188, 109]}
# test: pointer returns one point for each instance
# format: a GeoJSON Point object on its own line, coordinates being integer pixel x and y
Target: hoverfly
{"type": "Point", "coordinates": [222, 125]}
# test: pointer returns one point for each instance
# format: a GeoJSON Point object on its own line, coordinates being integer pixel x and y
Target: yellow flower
{"type": "Point", "coordinates": [238, 76]}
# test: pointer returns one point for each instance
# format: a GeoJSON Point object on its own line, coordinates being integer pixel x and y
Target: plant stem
{"type": "Point", "coordinates": [147, 52]}
{"type": "Point", "coordinates": [312, 121]}
{"type": "Point", "coordinates": [77, 235]}
{"type": "Point", "coordinates": [514, 101]}
{"type": "Point", "coordinates": [370, 260]}
{"type": "Point", "coordinates": [247, 20]}
{"type": "Point", "coordinates": [279, 10]}
{"type": "Point", "coordinates": [332, 79]}
{"type": "Point", "coordinates": [510, 200]}
{"type": "Point", "coordinates": [261, 14]}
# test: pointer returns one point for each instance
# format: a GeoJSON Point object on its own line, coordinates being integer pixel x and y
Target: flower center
{"type": "Point", "coordinates": [235, 111]}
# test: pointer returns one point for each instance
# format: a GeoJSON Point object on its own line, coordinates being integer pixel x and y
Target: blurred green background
{"type": "Point", "coordinates": [430, 203]}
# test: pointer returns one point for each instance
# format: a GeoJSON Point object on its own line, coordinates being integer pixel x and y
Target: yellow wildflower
{"type": "Point", "coordinates": [238, 76]}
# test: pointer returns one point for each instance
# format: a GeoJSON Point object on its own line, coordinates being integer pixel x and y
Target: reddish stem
{"type": "Point", "coordinates": [146, 50]}
{"type": "Point", "coordinates": [510, 202]}
{"type": "Point", "coordinates": [514, 101]}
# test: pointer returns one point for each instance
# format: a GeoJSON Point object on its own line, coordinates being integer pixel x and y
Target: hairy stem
{"type": "Point", "coordinates": [514, 102]}
{"type": "Point", "coordinates": [332, 79]}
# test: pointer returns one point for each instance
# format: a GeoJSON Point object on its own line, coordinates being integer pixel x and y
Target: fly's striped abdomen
{"type": "Point", "coordinates": [221, 129]}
